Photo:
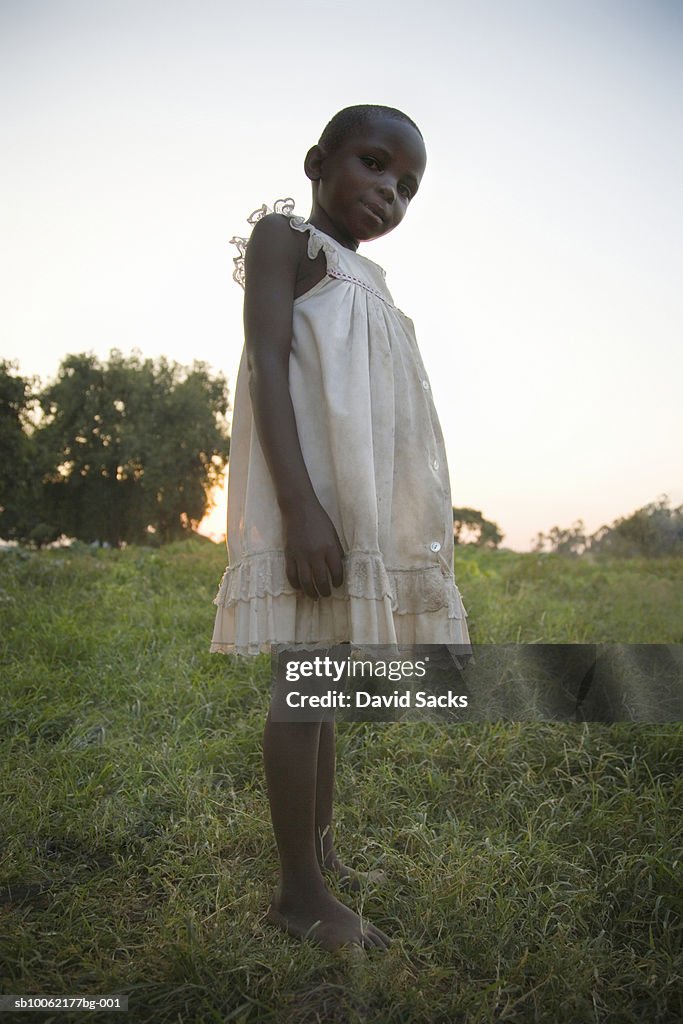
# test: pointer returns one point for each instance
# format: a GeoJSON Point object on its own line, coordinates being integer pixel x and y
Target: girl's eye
{"type": "Point", "coordinates": [405, 191]}
{"type": "Point", "coordinates": [370, 161]}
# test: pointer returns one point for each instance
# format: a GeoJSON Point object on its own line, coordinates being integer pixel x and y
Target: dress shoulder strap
{"type": "Point", "coordinates": [318, 241]}
{"type": "Point", "coordinates": [344, 264]}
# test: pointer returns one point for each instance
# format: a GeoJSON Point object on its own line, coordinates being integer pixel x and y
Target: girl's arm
{"type": "Point", "coordinates": [312, 548]}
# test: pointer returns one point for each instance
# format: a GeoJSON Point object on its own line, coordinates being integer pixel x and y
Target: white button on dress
{"type": "Point", "coordinates": [435, 546]}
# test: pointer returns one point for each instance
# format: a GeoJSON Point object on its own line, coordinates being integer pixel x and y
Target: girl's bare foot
{"type": "Point", "coordinates": [323, 919]}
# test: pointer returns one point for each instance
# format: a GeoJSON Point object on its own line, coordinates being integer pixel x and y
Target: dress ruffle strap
{"type": "Point", "coordinates": [317, 242]}
{"type": "Point", "coordinates": [283, 206]}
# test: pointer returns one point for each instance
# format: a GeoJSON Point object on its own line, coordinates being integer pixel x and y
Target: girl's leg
{"type": "Point", "coordinates": [302, 904]}
{"type": "Point", "coordinates": [290, 754]}
{"type": "Point", "coordinates": [324, 799]}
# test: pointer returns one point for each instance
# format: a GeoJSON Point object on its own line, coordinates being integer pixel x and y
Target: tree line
{"type": "Point", "coordinates": [652, 531]}
{"type": "Point", "coordinates": [121, 451]}
{"type": "Point", "coordinates": [128, 451]}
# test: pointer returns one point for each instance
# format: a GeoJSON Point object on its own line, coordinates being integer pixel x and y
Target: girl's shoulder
{"type": "Point", "coordinates": [279, 257]}
{"type": "Point", "coordinates": [273, 235]}
{"type": "Point", "coordinates": [274, 226]}
{"type": "Point", "coordinates": [271, 239]}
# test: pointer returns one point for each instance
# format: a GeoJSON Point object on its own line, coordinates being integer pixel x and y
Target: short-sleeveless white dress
{"type": "Point", "coordinates": [374, 451]}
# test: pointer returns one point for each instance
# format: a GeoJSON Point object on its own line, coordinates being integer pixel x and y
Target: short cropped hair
{"type": "Point", "coordinates": [351, 119]}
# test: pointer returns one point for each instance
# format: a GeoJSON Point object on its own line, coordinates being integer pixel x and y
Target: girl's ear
{"type": "Point", "coordinates": [313, 163]}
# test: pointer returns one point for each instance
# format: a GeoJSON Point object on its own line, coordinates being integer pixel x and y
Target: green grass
{"type": "Point", "coordinates": [534, 869]}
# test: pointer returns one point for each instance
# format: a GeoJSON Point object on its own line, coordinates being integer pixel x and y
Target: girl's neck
{"type": "Point", "coordinates": [319, 219]}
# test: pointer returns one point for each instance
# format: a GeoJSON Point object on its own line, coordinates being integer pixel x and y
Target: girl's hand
{"type": "Point", "coordinates": [313, 551]}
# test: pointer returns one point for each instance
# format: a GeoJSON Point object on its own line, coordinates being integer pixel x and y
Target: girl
{"type": "Point", "coordinates": [339, 510]}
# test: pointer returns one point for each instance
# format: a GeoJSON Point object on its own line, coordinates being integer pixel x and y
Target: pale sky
{"type": "Point", "coordinates": [541, 261]}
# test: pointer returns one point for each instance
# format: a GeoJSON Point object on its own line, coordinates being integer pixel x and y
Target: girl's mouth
{"type": "Point", "coordinates": [375, 211]}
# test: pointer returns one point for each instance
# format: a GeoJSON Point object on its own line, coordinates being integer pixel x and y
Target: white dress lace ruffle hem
{"type": "Point", "coordinates": [373, 447]}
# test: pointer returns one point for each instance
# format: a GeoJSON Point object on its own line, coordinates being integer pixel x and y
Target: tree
{"type": "Point", "coordinates": [470, 522]}
{"type": "Point", "coordinates": [651, 531]}
{"type": "Point", "coordinates": [134, 446]}
{"type": "Point", "coordinates": [14, 403]}
{"type": "Point", "coordinates": [570, 541]}
{"type": "Point", "coordinates": [21, 505]}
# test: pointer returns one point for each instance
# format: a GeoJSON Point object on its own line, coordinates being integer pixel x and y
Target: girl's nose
{"type": "Point", "coordinates": [387, 192]}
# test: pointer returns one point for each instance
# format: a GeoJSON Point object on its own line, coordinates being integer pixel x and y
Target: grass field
{"type": "Point", "coordinates": [534, 870]}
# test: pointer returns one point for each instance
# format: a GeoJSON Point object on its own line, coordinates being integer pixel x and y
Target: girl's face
{"type": "Point", "coordinates": [362, 190]}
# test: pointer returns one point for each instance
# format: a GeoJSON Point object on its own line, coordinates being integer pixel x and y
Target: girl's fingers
{"type": "Point", "coordinates": [314, 577]}
{"type": "Point", "coordinates": [306, 580]}
{"type": "Point", "coordinates": [321, 578]}
{"type": "Point", "coordinates": [336, 566]}
{"type": "Point", "coordinates": [292, 572]}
